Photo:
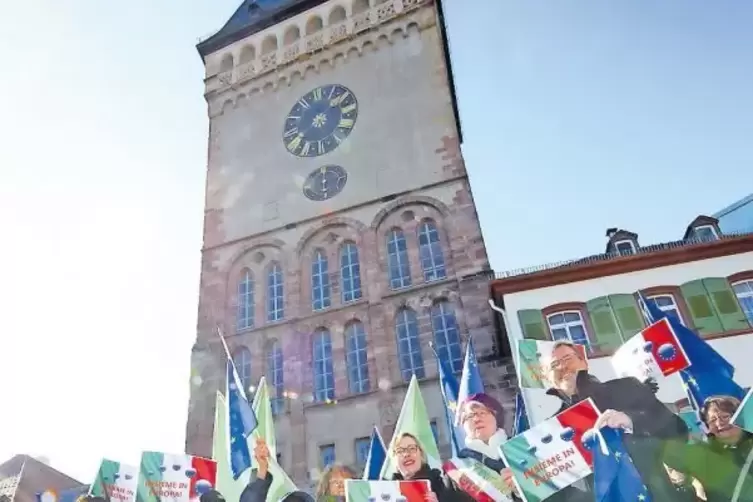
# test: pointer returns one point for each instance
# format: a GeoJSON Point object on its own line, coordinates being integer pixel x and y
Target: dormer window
{"type": "Point", "coordinates": [705, 233]}
{"type": "Point", "coordinates": [625, 248]}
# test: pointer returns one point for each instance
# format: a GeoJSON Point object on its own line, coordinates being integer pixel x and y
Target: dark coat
{"type": "Point", "coordinates": [256, 491]}
{"type": "Point", "coordinates": [654, 428]}
{"type": "Point", "coordinates": [718, 467]}
{"type": "Point", "coordinates": [444, 490]}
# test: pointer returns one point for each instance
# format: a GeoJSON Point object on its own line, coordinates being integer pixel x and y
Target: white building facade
{"type": "Point", "coordinates": [708, 284]}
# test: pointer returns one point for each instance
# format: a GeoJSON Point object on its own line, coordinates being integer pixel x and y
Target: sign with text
{"type": "Point", "coordinates": [115, 482]}
{"type": "Point", "coordinates": [551, 456]}
{"type": "Point", "coordinates": [174, 478]}
{"type": "Point", "coordinates": [655, 352]}
{"type": "Point", "coordinates": [476, 479]}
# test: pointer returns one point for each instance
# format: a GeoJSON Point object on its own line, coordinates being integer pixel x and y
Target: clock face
{"type": "Point", "coordinates": [320, 121]}
{"type": "Point", "coordinates": [325, 183]}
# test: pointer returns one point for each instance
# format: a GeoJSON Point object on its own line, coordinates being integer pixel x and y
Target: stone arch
{"type": "Point", "coordinates": [418, 200]}
{"type": "Point", "coordinates": [277, 244]}
{"type": "Point", "coordinates": [314, 24]}
{"type": "Point", "coordinates": [332, 223]}
{"type": "Point", "coordinates": [292, 34]}
{"type": "Point", "coordinates": [248, 54]}
{"type": "Point", "coordinates": [360, 6]}
{"type": "Point", "coordinates": [227, 62]}
{"type": "Point", "coordinates": [269, 44]}
{"type": "Point", "coordinates": [337, 15]}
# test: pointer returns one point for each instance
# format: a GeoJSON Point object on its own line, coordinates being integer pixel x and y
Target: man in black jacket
{"type": "Point", "coordinates": [625, 403]}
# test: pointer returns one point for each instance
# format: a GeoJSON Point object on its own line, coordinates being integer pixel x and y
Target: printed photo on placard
{"type": "Point", "coordinates": [534, 363]}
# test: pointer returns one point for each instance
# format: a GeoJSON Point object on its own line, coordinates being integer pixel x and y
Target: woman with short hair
{"type": "Point", "coordinates": [412, 465]}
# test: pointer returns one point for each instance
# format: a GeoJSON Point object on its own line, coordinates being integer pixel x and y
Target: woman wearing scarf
{"type": "Point", "coordinates": [412, 465]}
{"type": "Point", "coordinates": [481, 416]}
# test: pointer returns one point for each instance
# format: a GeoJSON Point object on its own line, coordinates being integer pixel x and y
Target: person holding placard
{"type": "Point", "coordinates": [481, 416]}
{"type": "Point", "coordinates": [411, 465]}
{"type": "Point", "coordinates": [626, 404]}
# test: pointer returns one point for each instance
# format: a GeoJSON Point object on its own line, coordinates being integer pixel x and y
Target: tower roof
{"type": "Point", "coordinates": [251, 17]}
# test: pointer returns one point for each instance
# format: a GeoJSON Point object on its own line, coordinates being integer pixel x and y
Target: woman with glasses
{"type": "Point", "coordinates": [412, 465]}
{"type": "Point", "coordinates": [482, 419]}
{"type": "Point", "coordinates": [723, 465]}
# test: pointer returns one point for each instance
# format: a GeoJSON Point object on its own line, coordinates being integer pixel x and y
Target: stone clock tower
{"type": "Point", "coordinates": [340, 234]}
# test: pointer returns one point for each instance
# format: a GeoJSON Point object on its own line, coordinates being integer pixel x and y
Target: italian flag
{"type": "Point", "coordinates": [413, 419]}
{"type": "Point", "coordinates": [361, 490]}
{"type": "Point", "coordinates": [474, 478]}
{"type": "Point", "coordinates": [652, 353]}
{"type": "Point", "coordinates": [174, 478]}
{"type": "Point", "coordinates": [551, 455]}
{"type": "Point", "coordinates": [115, 481]}
{"type": "Point", "coordinates": [534, 361]}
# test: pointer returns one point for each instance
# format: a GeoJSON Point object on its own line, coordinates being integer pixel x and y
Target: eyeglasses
{"type": "Point", "coordinates": [720, 418]}
{"type": "Point", "coordinates": [412, 449]}
{"type": "Point", "coordinates": [558, 363]}
{"type": "Point", "coordinates": [477, 413]}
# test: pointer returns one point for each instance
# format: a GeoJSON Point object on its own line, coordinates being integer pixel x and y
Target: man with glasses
{"type": "Point", "coordinates": [626, 404]}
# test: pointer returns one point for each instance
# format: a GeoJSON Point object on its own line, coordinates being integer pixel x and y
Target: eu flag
{"type": "Point", "coordinates": [615, 477]}
{"type": "Point", "coordinates": [709, 374]}
{"type": "Point", "coordinates": [376, 457]}
{"type": "Point", "coordinates": [449, 386]}
{"type": "Point", "coordinates": [470, 380]}
{"type": "Point", "coordinates": [242, 421]}
{"type": "Point", "coordinates": [521, 416]}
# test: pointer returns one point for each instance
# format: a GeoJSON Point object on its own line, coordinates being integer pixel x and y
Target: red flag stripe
{"type": "Point", "coordinates": [581, 418]}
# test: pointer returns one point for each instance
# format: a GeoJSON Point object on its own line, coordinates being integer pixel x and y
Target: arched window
{"type": "Point", "coordinates": [350, 270]}
{"type": "Point", "coordinates": [245, 318]}
{"type": "Point", "coordinates": [320, 289]}
{"type": "Point", "coordinates": [242, 361]}
{"type": "Point", "coordinates": [397, 256]}
{"type": "Point", "coordinates": [275, 293]}
{"type": "Point", "coordinates": [275, 376]}
{"type": "Point", "coordinates": [408, 346]}
{"type": "Point", "coordinates": [446, 335]}
{"type": "Point", "coordinates": [355, 358]}
{"type": "Point", "coordinates": [430, 249]}
{"type": "Point", "coordinates": [324, 378]}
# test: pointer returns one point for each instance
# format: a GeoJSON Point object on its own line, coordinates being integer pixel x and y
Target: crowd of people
{"type": "Point", "coordinates": [673, 468]}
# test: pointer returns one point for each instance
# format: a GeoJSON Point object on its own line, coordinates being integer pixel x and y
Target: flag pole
{"type": "Point", "coordinates": [502, 313]}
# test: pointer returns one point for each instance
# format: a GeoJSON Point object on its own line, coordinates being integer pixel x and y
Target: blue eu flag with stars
{"type": "Point", "coordinates": [615, 477]}
{"type": "Point", "coordinates": [242, 422]}
{"type": "Point", "coordinates": [449, 386]}
{"type": "Point", "coordinates": [521, 416]}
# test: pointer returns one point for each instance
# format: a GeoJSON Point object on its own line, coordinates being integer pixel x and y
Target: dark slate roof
{"type": "Point", "coordinates": [251, 17]}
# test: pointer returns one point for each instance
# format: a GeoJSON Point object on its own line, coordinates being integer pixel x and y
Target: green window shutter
{"type": "Point", "coordinates": [704, 319]}
{"type": "Point", "coordinates": [532, 324]}
{"type": "Point", "coordinates": [725, 301]}
{"type": "Point", "coordinates": [607, 334]}
{"type": "Point", "coordinates": [629, 317]}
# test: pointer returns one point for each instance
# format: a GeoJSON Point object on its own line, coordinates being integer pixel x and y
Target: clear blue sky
{"type": "Point", "coordinates": [577, 115]}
